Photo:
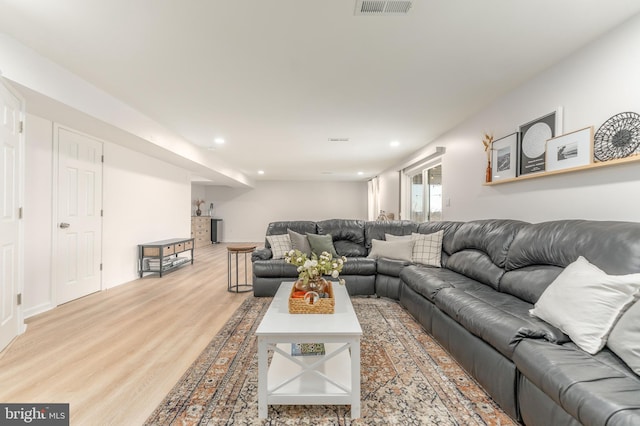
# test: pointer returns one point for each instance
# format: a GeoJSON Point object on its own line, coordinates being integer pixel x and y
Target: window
{"type": "Point", "coordinates": [425, 194]}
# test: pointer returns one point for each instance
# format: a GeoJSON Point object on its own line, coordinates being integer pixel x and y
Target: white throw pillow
{"type": "Point", "coordinates": [391, 237]}
{"type": "Point", "coordinates": [624, 339]}
{"type": "Point", "coordinates": [585, 303]}
{"type": "Point", "coordinates": [397, 250]}
{"type": "Point", "coordinates": [280, 245]}
{"type": "Point", "coordinates": [427, 248]}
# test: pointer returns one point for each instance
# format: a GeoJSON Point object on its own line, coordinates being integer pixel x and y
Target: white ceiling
{"type": "Point", "coordinates": [276, 79]}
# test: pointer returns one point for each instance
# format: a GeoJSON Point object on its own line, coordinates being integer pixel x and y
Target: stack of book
{"type": "Point", "coordinates": [180, 260]}
{"type": "Point", "coordinates": [307, 349]}
{"type": "Point", "coordinates": [154, 263]}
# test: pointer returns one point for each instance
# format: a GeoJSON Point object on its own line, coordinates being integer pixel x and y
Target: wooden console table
{"type": "Point", "coordinates": [162, 256]}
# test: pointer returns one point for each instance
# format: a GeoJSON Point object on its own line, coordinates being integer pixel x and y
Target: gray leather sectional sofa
{"type": "Point", "coordinates": [477, 306]}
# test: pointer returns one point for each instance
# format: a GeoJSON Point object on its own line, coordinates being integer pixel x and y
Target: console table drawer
{"type": "Point", "coordinates": [188, 245]}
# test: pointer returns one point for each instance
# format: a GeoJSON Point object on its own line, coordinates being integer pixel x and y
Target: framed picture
{"type": "Point", "coordinates": [570, 150]}
{"type": "Point", "coordinates": [504, 157]}
{"type": "Point", "coordinates": [533, 140]}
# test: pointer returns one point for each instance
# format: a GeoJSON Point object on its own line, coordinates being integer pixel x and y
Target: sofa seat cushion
{"type": "Point", "coordinates": [499, 319]}
{"type": "Point", "coordinates": [274, 268]}
{"type": "Point", "coordinates": [595, 389]}
{"type": "Point", "coordinates": [359, 266]}
{"type": "Point", "coordinates": [391, 267]}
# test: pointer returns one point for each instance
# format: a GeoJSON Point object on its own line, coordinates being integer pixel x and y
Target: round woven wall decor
{"type": "Point", "coordinates": [618, 137]}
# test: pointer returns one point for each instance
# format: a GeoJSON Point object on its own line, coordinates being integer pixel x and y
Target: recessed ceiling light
{"type": "Point", "coordinates": [219, 141]}
{"type": "Point", "coordinates": [394, 144]}
{"type": "Point", "coordinates": [260, 172]}
{"type": "Point", "coordinates": [360, 173]}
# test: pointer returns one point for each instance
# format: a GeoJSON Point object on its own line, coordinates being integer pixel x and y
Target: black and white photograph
{"type": "Point", "coordinates": [504, 157]}
{"type": "Point", "coordinates": [564, 152]}
{"type": "Point", "coordinates": [533, 139]}
{"type": "Point", "coordinates": [573, 149]}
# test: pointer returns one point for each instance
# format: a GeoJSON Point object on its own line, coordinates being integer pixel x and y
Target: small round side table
{"type": "Point", "coordinates": [233, 253]}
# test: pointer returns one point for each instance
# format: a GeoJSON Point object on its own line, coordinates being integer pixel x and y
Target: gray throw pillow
{"type": "Point", "coordinates": [624, 339]}
{"type": "Point", "coordinates": [320, 243]}
{"type": "Point", "coordinates": [299, 242]}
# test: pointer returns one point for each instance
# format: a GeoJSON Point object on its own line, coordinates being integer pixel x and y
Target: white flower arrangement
{"type": "Point", "coordinates": [317, 266]}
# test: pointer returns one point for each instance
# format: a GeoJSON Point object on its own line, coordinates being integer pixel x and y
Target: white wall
{"type": "Point", "coordinates": [199, 192]}
{"type": "Point", "coordinates": [37, 295]}
{"type": "Point", "coordinates": [595, 83]}
{"type": "Point", "coordinates": [247, 212]}
{"type": "Point", "coordinates": [144, 199]}
{"type": "Point", "coordinates": [389, 192]}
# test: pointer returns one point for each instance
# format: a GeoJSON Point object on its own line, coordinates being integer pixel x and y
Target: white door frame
{"type": "Point", "coordinates": [54, 215]}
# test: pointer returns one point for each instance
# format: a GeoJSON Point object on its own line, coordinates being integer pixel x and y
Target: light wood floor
{"type": "Point", "coordinates": [114, 355]}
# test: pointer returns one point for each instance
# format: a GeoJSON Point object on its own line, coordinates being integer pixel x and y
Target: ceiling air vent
{"type": "Point", "coordinates": [382, 7]}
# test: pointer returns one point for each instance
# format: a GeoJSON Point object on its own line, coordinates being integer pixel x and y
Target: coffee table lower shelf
{"type": "Point", "coordinates": [329, 379]}
{"type": "Point", "coordinates": [310, 380]}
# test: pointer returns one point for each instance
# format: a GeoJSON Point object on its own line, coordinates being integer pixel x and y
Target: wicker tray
{"type": "Point", "coordinates": [322, 306]}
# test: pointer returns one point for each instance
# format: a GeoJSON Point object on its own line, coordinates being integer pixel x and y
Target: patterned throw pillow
{"type": "Point", "coordinates": [427, 249]}
{"type": "Point", "coordinates": [280, 245]}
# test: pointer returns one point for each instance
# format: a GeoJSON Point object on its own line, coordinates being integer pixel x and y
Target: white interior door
{"type": "Point", "coordinates": [79, 219]}
{"type": "Point", "coordinates": [10, 172]}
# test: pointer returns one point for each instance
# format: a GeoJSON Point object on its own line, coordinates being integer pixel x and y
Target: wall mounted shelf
{"type": "Point", "coordinates": [626, 160]}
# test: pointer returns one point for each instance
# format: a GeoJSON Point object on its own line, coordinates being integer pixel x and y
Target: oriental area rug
{"type": "Point", "coordinates": [407, 378]}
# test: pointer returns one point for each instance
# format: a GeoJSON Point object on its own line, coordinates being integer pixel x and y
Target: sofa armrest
{"type": "Point", "coordinates": [261, 254]}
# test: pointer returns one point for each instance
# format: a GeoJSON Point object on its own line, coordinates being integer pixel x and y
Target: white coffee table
{"type": "Point", "coordinates": [331, 379]}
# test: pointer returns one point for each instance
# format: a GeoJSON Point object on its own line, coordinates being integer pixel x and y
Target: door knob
{"type": "Point", "coordinates": [64, 225]}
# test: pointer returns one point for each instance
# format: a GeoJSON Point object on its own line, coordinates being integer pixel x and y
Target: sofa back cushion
{"type": "Point", "coordinates": [613, 247]}
{"type": "Point", "coordinates": [477, 265]}
{"type": "Point", "coordinates": [280, 228]}
{"type": "Point", "coordinates": [374, 230]}
{"type": "Point", "coordinates": [449, 229]}
{"type": "Point", "coordinates": [348, 236]}
{"type": "Point", "coordinates": [541, 251]}
{"type": "Point", "coordinates": [493, 237]}
{"type": "Point", "coordinates": [479, 249]}
{"type": "Point", "coordinates": [530, 282]}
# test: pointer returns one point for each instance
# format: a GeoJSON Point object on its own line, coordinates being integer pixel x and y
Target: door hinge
{"type": "Point", "coordinates": [20, 213]}
{"type": "Point", "coordinates": [102, 158]}
{"type": "Point", "coordinates": [21, 127]}
{"type": "Point", "coordinates": [101, 266]}
{"type": "Point", "coordinates": [101, 213]}
{"type": "Point", "coordinates": [19, 299]}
